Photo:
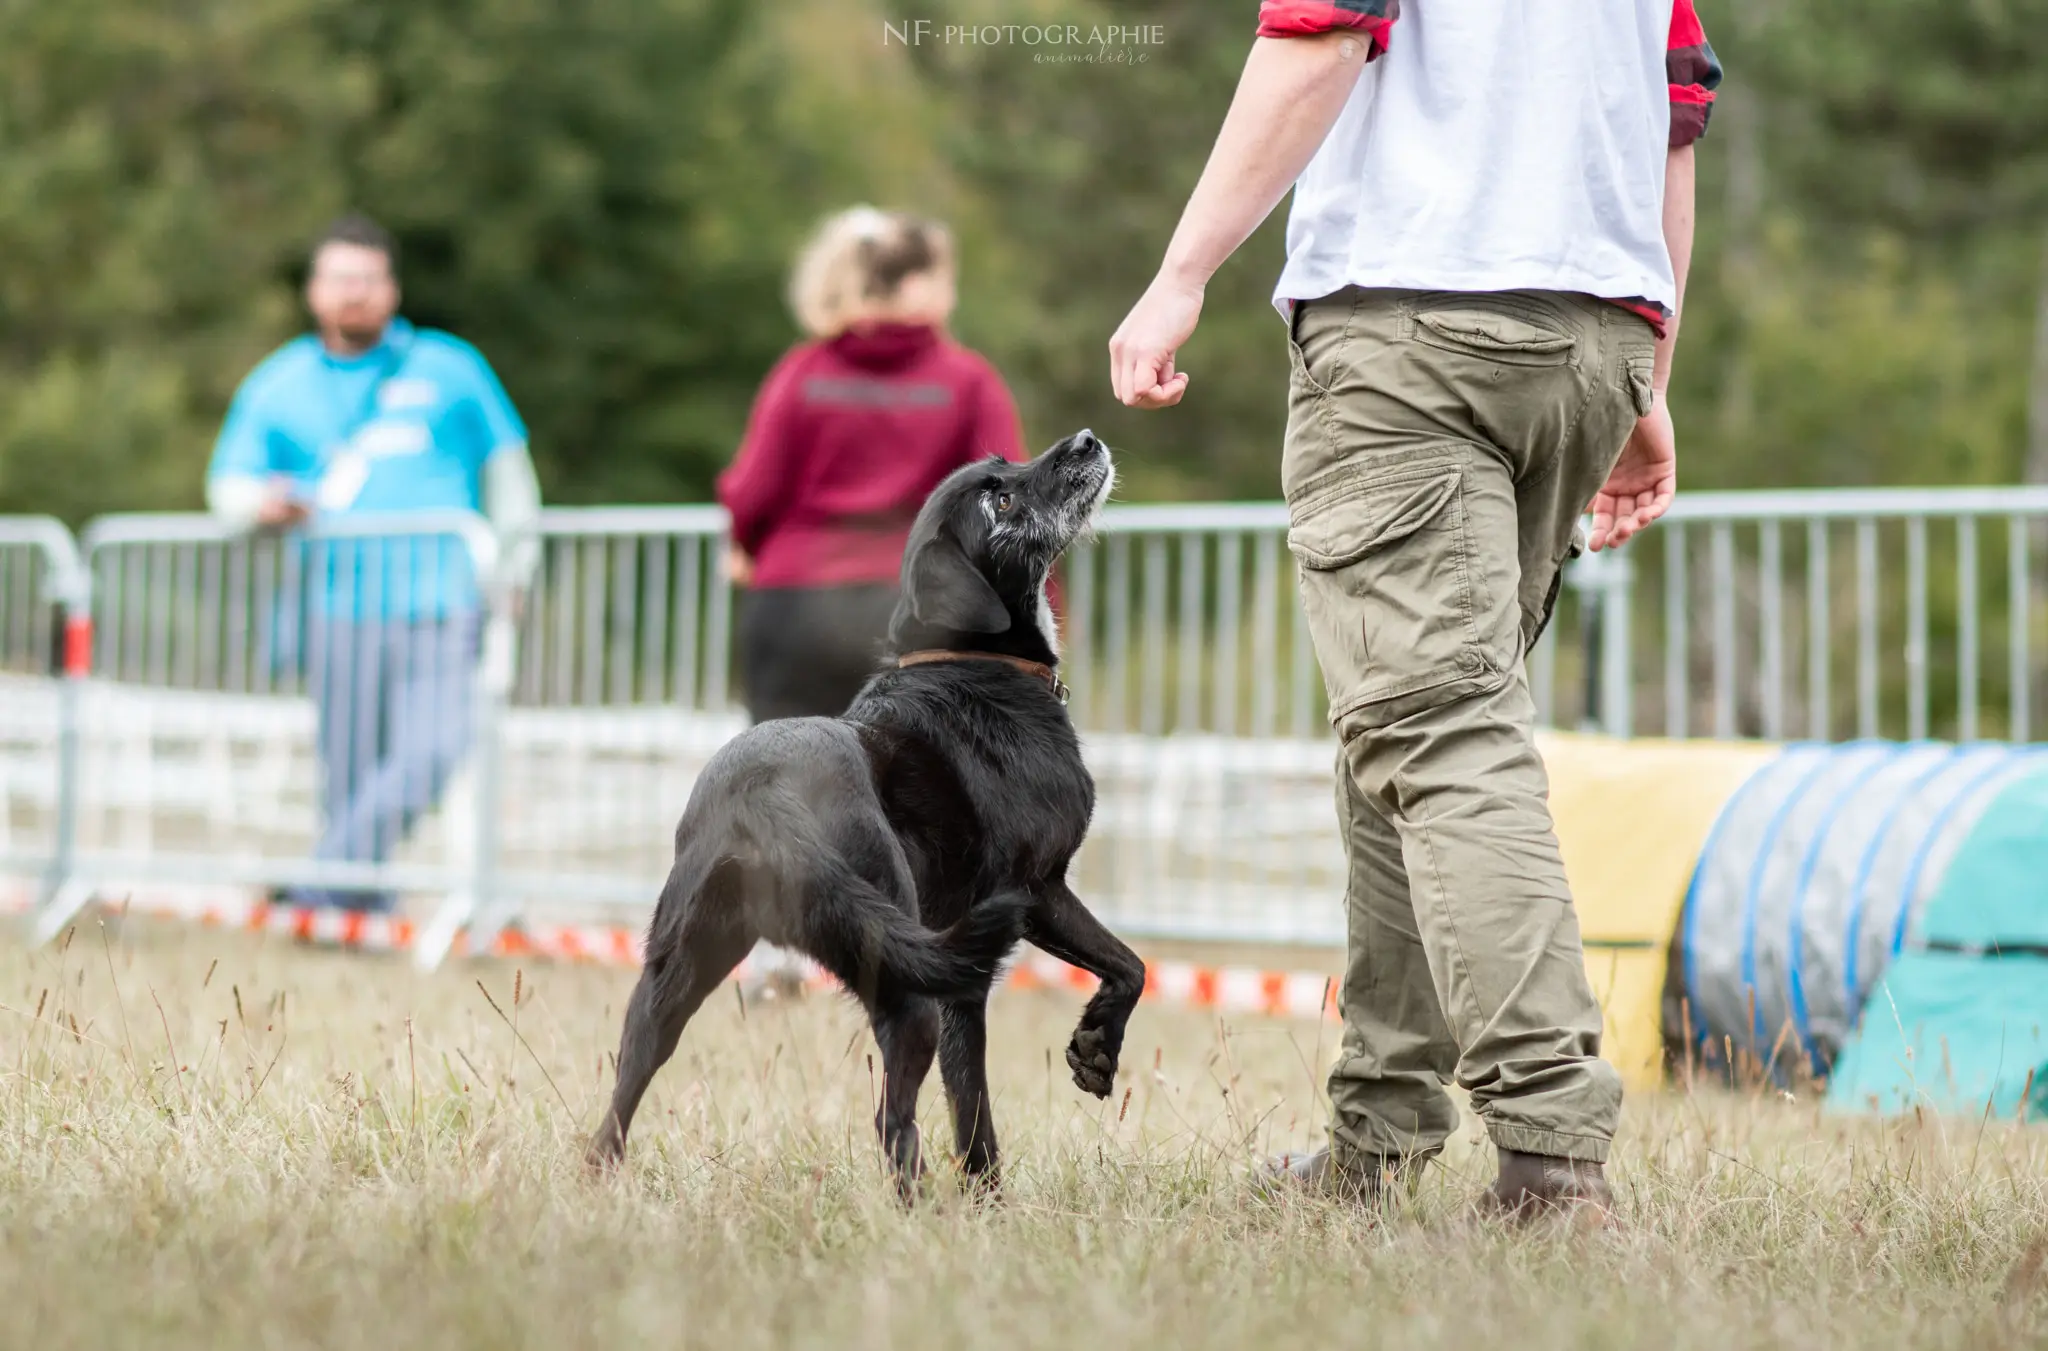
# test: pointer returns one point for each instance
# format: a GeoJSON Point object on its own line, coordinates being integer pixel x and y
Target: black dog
{"type": "Point", "coordinates": [908, 845]}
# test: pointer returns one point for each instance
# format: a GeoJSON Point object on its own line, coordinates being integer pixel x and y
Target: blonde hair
{"type": "Point", "coordinates": [857, 260]}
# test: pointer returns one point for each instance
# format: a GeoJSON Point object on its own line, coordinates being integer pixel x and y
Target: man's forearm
{"type": "Point", "coordinates": [1287, 100]}
{"type": "Point", "coordinates": [511, 494]}
{"type": "Point", "coordinates": [1678, 220]}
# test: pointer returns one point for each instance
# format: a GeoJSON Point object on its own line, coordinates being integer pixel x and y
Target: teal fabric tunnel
{"type": "Point", "coordinates": [1817, 874]}
{"type": "Point", "coordinates": [1959, 1022]}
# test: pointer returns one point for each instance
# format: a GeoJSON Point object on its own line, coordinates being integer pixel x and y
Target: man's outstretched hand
{"type": "Point", "coordinates": [1142, 350]}
{"type": "Point", "coordinates": [1643, 483]}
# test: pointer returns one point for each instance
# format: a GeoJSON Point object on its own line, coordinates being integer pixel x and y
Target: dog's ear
{"type": "Point", "coordinates": [949, 592]}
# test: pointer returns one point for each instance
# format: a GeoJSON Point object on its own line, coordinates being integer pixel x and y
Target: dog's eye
{"type": "Point", "coordinates": [1003, 501]}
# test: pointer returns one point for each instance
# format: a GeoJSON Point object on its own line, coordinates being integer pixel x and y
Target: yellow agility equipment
{"type": "Point", "coordinates": [1631, 818]}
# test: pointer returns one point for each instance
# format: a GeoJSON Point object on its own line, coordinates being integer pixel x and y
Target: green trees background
{"type": "Point", "coordinates": [603, 195]}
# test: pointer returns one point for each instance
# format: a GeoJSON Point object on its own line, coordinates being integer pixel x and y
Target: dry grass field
{"type": "Point", "coordinates": [211, 1141]}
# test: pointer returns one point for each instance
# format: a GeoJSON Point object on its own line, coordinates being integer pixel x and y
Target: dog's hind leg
{"type": "Point", "coordinates": [1061, 926]}
{"type": "Point", "coordinates": [701, 952]}
{"type": "Point", "coordinates": [963, 1065]}
{"type": "Point", "coordinates": [907, 1030]}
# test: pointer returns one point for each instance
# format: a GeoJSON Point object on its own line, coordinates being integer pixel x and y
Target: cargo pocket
{"type": "Point", "coordinates": [1637, 370]}
{"type": "Point", "coordinates": [1387, 587]}
{"type": "Point", "coordinates": [1298, 360]}
{"type": "Point", "coordinates": [1495, 331]}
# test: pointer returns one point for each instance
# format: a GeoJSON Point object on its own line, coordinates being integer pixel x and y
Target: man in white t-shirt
{"type": "Point", "coordinates": [1487, 252]}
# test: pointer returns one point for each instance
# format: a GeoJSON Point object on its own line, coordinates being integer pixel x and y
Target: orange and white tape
{"type": "Point", "coordinates": [1225, 989]}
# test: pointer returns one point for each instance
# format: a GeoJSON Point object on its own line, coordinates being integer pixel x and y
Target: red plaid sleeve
{"type": "Point", "coordinates": [1298, 18]}
{"type": "Point", "coordinates": [1694, 72]}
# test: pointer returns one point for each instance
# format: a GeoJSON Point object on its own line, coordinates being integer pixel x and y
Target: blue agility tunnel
{"type": "Point", "coordinates": [1959, 1022]}
{"type": "Point", "coordinates": [1819, 872]}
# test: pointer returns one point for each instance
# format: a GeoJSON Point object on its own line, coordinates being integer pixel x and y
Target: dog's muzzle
{"type": "Point", "coordinates": [1086, 474]}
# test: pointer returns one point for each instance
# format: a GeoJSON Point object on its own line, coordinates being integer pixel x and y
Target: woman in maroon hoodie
{"type": "Point", "coordinates": [849, 433]}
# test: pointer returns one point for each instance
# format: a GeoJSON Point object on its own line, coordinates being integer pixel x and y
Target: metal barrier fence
{"type": "Point", "coordinates": [630, 606]}
{"type": "Point", "coordinates": [1903, 613]}
{"type": "Point", "coordinates": [275, 712]}
{"type": "Point", "coordinates": [44, 640]}
{"type": "Point", "coordinates": [1213, 820]}
{"type": "Point", "coordinates": [1182, 620]}
{"type": "Point", "coordinates": [562, 752]}
{"type": "Point", "coordinates": [1178, 620]}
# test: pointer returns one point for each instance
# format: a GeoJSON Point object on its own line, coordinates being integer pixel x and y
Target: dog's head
{"type": "Point", "coordinates": [975, 570]}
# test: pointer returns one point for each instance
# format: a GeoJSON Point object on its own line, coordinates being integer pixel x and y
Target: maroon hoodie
{"type": "Point", "coordinates": [846, 440]}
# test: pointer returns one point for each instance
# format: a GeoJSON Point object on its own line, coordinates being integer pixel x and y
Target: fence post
{"type": "Point", "coordinates": [1592, 666]}
{"type": "Point", "coordinates": [494, 680]}
{"type": "Point", "coordinates": [1605, 582]}
{"type": "Point", "coordinates": [474, 905]}
{"type": "Point", "coordinates": [76, 666]}
{"type": "Point", "coordinates": [62, 894]}
{"type": "Point", "coordinates": [1617, 686]}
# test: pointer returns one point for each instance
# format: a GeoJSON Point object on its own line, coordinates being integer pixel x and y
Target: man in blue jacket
{"type": "Point", "coordinates": [371, 415]}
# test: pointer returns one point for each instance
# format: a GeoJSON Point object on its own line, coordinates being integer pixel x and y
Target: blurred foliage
{"type": "Point", "coordinates": [603, 196]}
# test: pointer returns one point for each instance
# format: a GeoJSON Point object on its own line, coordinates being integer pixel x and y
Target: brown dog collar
{"type": "Point", "coordinates": [1036, 669]}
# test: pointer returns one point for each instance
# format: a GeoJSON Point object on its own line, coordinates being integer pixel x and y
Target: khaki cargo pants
{"type": "Point", "coordinates": [1440, 450]}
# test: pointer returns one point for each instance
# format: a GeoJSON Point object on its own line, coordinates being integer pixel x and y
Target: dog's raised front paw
{"type": "Point", "coordinates": [1093, 1063]}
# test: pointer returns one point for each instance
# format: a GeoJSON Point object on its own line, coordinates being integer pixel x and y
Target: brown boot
{"type": "Point", "coordinates": [1320, 1174]}
{"type": "Point", "coordinates": [1532, 1185]}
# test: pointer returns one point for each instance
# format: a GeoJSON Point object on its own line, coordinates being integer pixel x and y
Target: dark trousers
{"type": "Point", "coordinates": [806, 651]}
{"type": "Point", "coordinates": [395, 700]}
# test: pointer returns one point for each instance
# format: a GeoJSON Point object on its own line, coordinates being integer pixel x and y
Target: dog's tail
{"type": "Point", "coordinates": [873, 945]}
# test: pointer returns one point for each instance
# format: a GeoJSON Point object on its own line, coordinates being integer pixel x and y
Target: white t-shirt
{"type": "Point", "coordinates": [1496, 145]}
